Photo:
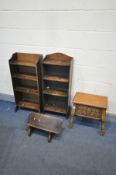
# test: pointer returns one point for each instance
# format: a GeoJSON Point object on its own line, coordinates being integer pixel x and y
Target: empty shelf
{"type": "Point", "coordinates": [29, 105]}
{"type": "Point", "coordinates": [55, 92]}
{"type": "Point", "coordinates": [55, 108]}
{"type": "Point", "coordinates": [26, 77]}
{"type": "Point", "coordinates": [22, 63]}
{"type": "Point", "coordinates": [26, 90]}
{"type": "Point", "coordinates": [55, 78]}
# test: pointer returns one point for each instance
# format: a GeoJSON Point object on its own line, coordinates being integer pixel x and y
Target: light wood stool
{"type": "Point", "coordinates": [89, 106]}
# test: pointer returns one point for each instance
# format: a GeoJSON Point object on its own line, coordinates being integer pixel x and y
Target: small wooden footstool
{"type": "Point", "coordinates": [89, 106]}
{"type": "Point", "coordinates": [47, 123]}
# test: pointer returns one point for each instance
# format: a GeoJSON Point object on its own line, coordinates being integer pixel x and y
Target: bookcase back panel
{"type": "Point", "coordinates": [23, 70]}
{"type": "Point", "coordinates": [25, 83]}
{"type": "Point", "coordinates": [58, 59]}
{"type": "Point", "coordinates": [60, 71]}
{"type": "Point", "coordinates": [27, 57]}
{"type": "Point", "coordinates": [27, 97]}
{"type": "Point", "coordinates": [51, 100]}
{"type": "Point", "coordinates": [56, 85]}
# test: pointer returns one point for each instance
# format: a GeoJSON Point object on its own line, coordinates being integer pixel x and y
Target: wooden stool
{"type": "Point", "coordinates": [89, 106]}
{"type": "Point", "coordinates": [47, 123]}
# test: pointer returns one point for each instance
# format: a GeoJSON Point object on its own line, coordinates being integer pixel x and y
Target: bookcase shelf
{"type": "Point", "coordinates": [28, 105]}
{"type": "Point", "coordinates": [26, 77]}
{"type": "Point", "coordinates": [57, 70]}
{"type": "Point", "coordinates": [55, 92]}
{"type": "Point", "coordinates": [26, 80]}
{"type": "Point", "coordinates": [55, 78]}
{"type": "Point", "coordinates": [22, 63]}
{"type": "Point", "coordinates": [26, 90]}
{"type": "Point", "coordinates": [55, 108]}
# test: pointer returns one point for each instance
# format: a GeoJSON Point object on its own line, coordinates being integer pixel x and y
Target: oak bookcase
{"type": "Point", "coordinates": [26, 80]}
{"type": "Point", "coordinates": [57, 75]}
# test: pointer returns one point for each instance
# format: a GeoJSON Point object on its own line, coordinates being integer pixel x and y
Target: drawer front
{"type": "Point", "coordinates": [89, 112]}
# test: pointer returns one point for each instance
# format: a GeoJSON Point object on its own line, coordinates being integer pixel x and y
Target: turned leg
{"type": "Point", "coordinates": [102, 129]}
{"type": "Point", "coordinates": [49, 137]}
{"type": "Point", "coordinates": [72, 116]}
{"type": "Point", "coordinates": [29, 131]}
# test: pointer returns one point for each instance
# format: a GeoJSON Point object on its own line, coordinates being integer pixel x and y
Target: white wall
{"type": "Point", "coordinates": [83, 29]}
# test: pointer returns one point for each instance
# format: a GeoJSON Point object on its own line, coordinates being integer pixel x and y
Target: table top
{"type": "Point", "coordinates": [45, 122]}
{"type": "Point", "coordinates": [90, 100]}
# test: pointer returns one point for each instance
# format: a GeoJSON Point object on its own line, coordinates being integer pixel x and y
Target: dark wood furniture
{"type": "Point", "coordinates": [57, 69]}
{"type": "Point", "coordinates": [26, 80]}
{"type": "Point", "coordinates": [90, 106]}
{"type": "Point", "coordinates": [50, 124]}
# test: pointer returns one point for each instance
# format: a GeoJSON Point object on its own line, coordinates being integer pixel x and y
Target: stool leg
{"type": "Point", "coordinates": [49, 137]}
{"type": "Point", "coordinates": [102, 130]}
{"type": "Point", "coordinates": [29, 131]}
{"type": "Point", "coordinates": [72, 116]}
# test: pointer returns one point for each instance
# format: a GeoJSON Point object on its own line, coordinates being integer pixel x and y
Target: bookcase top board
{"type": "Point", "coordinates": [25, 59]}
{"type": "Point", "coordinates": [58, 59]}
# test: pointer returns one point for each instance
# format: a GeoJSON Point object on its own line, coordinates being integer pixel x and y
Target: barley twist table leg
{"type": "Point", "coordinates": [72, 116]}
{"type": "Point", "coordinates": [102, 130]}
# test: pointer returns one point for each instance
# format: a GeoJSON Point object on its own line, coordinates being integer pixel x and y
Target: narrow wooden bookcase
{"type": "Point", "coordinates": [26, 80]}
{"type": "Point", "coordinates": [57, 75]}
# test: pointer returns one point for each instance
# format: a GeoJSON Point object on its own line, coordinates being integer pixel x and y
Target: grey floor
{"type": "Point", "coordinates": [77, 151]}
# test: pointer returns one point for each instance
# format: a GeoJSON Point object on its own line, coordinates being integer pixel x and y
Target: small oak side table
{"type": "Point", "coordinates": [89, 106]}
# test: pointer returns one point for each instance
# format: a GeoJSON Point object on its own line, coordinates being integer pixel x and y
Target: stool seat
{"type": "Point", "coordinates": [90, 100]}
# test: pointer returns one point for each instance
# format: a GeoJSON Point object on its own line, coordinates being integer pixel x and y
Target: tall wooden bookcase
{"type": "Point", "coordinates": [26, 80]}
{"type": "Point", "coordinates": [57, 71]}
